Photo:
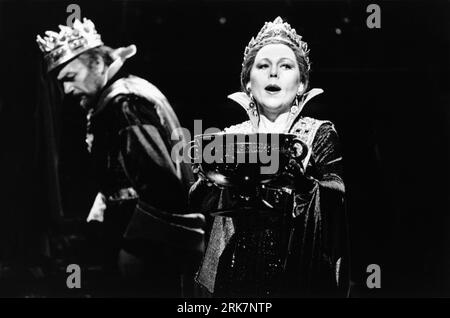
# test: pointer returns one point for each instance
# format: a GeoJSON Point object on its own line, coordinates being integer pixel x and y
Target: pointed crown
{"type": "Point", "coordinates": [70, 42]}
{"type": "Point", "coordinates": [281, 31]}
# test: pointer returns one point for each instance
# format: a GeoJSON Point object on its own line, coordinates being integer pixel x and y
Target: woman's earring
{"type": "Point", "coordinates": [252, 105]}
{"type": "Point", "coordinates": [252, 101]}
{"type": "Point", "coordinates": [295, 106]}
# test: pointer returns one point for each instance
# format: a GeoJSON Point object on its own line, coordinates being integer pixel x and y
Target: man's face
{"type": "Point", "coordinates": [81, 81]}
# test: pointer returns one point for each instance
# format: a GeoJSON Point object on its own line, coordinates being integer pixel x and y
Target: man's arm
{"type": "Point", "coordinates": [145, 147]}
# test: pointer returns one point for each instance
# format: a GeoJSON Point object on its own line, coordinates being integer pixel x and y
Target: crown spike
{"type": "Point", "coordinates": [278, 20]}
{"type": "Point", "coordinates": [51, 34]}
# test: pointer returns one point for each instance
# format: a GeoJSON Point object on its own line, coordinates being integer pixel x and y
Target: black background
{"type": "Point", "coordinates": [387, 90]}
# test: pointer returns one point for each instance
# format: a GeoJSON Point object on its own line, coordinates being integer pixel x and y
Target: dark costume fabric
{"type": "Point", "coordinates": [132, 131]}
{"type": "Point", "coordinates": [301, 251]}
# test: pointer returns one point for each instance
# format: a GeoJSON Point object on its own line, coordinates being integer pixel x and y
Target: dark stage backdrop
{"type": "Point", "coordinates": [386, 89]}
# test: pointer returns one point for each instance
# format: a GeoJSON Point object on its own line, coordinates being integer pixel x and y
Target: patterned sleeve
{"type": "Point", "coordinates": [326, 161]}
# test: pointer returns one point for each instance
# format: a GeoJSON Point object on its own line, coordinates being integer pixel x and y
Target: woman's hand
{"type": "Point", "coordinates": [197, 170]}
{"type": "Point", "coordinates": [295, 172]}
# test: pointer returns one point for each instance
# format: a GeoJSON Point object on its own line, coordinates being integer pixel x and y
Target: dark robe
{"type": "Point", "coordinates": [300, 252]}
{"type": "Point", "coordinates": [134, 130]}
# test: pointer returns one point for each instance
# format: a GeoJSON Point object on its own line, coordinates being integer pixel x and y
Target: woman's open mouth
{"type": "Point", "coordinates": [272, 88]}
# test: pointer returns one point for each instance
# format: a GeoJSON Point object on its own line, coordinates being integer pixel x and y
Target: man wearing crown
{"type": "Point", "coordinates": [131, 131]}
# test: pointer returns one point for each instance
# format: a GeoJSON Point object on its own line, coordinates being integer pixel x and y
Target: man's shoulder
{"type": "Point", "coordinates": [136, 85]}
{"type": "Point", "coordinates": [130, 89]}
{"type": "Point", "coordinates": [122, 99]}
{"type": "Point", "coordinates": [135, 101]}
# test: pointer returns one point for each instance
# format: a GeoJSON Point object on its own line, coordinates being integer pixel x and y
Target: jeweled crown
{"type": "Point", "coordinates": [70, 42]}
{"type": "Point", "coordinates": [278, 30]}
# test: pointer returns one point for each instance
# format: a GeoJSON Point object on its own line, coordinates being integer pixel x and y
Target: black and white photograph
{"type": "Point", "coordinates": [209, 150]}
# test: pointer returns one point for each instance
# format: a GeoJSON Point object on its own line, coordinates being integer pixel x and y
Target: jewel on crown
{"type": "Point", "coordinates": [69, 42]}
{"type": "Point", "coordinates": [278, 29]}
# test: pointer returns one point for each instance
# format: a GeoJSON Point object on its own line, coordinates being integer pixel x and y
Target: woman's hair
{"type": "Point", "coordinates": [91, 56]}
{"type": "Point", "coordinates": [250, 60]}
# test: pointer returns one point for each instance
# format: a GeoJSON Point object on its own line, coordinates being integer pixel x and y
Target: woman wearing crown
{"type": "Point", "coordinates": [308, 255]}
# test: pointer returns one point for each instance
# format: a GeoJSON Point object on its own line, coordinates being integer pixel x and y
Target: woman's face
{"type": "Point", "coordinates": [275, 79]}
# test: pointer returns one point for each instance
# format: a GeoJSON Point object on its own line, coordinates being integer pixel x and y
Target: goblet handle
{"type": "Point", "coordinates": [299, 149]}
